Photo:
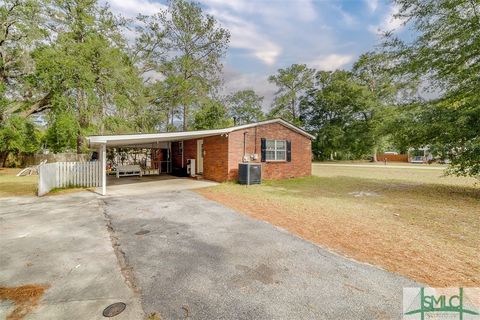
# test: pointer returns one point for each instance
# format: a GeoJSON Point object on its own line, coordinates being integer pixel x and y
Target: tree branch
{"type": "Point", "coordinates": [39, 106]}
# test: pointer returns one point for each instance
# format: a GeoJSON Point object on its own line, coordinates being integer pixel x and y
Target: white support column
{"type": "Point", "coordinates": [102, 152]}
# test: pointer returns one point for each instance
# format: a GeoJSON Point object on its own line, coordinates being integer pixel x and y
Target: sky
{"type": "Point", "coordinates": [270, 34]}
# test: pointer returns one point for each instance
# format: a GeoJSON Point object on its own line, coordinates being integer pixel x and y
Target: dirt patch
{"type": "Point", "coordinates": [25, 298]}
{"type": "Point", "coordinates": [358, 194]}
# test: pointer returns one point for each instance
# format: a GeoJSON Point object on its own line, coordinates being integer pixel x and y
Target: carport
{"type": "Point", "coordinates": [153, 141]}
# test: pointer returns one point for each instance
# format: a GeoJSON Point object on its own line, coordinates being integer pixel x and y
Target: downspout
{"type": "Point", "coordinates": [255, 152]}
{"type": "Point", "coordinates": [183, 146]}
{"type": "Point", "coordinates": [244, 146]}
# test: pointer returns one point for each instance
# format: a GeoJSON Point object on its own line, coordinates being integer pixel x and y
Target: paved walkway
{"type": "Point", "coordinates": [419, 167]}
{"type": "Point", "coordinates": [125, 186]}
{"type": "Point", "coordinates": [193, 258]}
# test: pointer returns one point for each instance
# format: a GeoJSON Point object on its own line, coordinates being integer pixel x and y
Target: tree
{"type": "Point", "coordinates": [370, 71]}
{"type": "Point", "coordinates": [21, 29]}
{"type": "Point", "coordinates": [62, 132]}
{"type": "Point", "coordinates": [245, 106]}
{"type": "Point", "coordinates": [339, 111]}
{"type": "Point", "coordinates": [185, 45]}
{"type": "Point", "coordinates": [86, 70]}
{"type": "Point", "coordinates": [444, 55]}
{"type": "Point", "coordinates": [211, 115]}
{"type": "Point", "coordinates": [292, 82]}
{"type": "Point", "coordinates": [17, 135]}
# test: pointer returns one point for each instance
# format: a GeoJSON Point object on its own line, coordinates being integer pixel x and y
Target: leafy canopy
{"type": "Point", "coordinates": [245, 106]}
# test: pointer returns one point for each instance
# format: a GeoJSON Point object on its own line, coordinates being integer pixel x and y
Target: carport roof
{"type": "Point", "coordinates": [146, 138]}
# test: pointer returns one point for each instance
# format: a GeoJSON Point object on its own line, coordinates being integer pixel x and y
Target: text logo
{"type": "Point", "coordinates": [441, 303]}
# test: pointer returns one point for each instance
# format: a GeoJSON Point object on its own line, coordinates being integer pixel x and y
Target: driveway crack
{"type": "Point", "coordinates": [125, 268]}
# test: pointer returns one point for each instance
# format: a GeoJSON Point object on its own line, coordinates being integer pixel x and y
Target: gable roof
{"type": "Point", "coordinates": [146, 138]}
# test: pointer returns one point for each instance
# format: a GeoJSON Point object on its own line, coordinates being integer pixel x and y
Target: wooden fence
{"type": "Point", "coordinates": [68, 174]}
{"type": "Point", "coordinates": [392, 157]}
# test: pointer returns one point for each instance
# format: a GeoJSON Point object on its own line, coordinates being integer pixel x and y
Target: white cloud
{"type": "Point", "coordinates": [244, 35]}
{"type": "Point", "coordinates": [372, 5]}
{"type": "Point", "coordinates": [131, 8]}
{"type": "Point", "coordinates": [346, 17]}
{"type": "Point", "coordinates": [331, 62]}
{"type": "Point", "coordinates": [305, 10]}
{"type": "Point", "coordinates": [253, 24]}
{"type": "Point", "coordinates": [389, 22]}
{"type": "Point", "coordinates": [293, 10]}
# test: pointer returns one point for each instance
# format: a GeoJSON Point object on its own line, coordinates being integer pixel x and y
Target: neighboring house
{"type": "Point", "coordinates": [283, 149]}
{"type": "Point", "coordinates": [420, 155]}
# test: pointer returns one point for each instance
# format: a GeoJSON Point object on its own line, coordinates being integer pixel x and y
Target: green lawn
{"type": "Point", "coordinates": [416, 175]}
{"type": "Point", "coordinates": [11, 185]}
{"type": "Point", "coordinates": [410, 221]}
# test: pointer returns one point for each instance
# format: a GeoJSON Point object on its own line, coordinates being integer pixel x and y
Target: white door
{"type": "Point", "coordinates": [199, 156]}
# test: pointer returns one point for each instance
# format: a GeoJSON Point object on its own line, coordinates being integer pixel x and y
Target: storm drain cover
{"type": "Point", "coordinates": [142, 232]}
{"type": "Point", "coordinates": [114, 309]}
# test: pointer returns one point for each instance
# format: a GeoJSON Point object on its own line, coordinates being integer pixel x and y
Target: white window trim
{"type": "Point", "coordinates": [275, 150]}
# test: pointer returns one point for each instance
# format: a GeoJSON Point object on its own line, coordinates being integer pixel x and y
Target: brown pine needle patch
{"type": "Point", "coordinates": [427, 232]}
{"type": "Point", "coordinates": [25, 298]}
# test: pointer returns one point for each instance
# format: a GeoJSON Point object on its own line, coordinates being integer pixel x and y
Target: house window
{"type": "Point", "coordinates": [276, 150]}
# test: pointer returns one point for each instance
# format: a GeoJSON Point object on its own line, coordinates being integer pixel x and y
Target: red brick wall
{"type": "Point", "coordinates": [176, 155]}
{"type": "Point", "coordinates": [301, 164]}
{"type": "Point", "coordinates": [215, 158]}
{"type": "Point", "coordinates": [189, 152]}
{"type": "Point", "coordinates": [222, 154]}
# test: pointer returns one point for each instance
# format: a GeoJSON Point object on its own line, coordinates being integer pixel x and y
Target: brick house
{"type": "Point", "coordinates": [283, 149]}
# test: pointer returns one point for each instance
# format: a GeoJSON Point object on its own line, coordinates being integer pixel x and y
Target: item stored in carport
{"type": "Point", "coordinates": [249, 173]}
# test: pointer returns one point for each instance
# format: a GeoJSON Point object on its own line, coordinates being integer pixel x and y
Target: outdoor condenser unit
{"type": "Point", "coordinates": [249, 173]}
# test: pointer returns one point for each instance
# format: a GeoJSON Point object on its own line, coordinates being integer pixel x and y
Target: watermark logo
{"type": "Point", "coordinates": [441, 303]}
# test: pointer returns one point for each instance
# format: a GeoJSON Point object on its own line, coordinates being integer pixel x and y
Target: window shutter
{"type": "Point", "coordinates": [264, 149]}
{"type": "Point", "coordinates": [289, 150]}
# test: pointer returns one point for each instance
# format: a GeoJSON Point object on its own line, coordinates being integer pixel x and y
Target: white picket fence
{"type": "Point", "coordinates": [68, 174]}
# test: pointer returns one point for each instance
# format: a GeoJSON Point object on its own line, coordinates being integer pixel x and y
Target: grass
{"type": "Point", "coordinates": [414, 176]}
{"type": "Point", "coordinates": [409, 221]}
{"type": "Point", "coordinates": [11, 185]}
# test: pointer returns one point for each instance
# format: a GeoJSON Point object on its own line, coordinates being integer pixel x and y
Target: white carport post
{"type": "Point", "coordinates": [102, 152]}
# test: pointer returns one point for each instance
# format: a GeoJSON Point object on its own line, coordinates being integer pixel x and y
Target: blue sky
{"type": "Point", "coordinates": [271, 34]}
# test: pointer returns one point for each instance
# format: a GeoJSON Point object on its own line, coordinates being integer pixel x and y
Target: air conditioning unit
{"type": "Point", "coordinates": [191, 167]}
{"type": "Point", "coordinates": [249, 173]}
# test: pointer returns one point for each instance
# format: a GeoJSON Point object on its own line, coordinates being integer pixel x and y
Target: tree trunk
{"type": "Point", "coordinates": [5, 157]}
{"type": "Point", "coordinates": [185, 125]}
{"type": "Point", "coordinates": [375, 150]}
{"type": "Point", "coordinates": [79, 142]}
{"type": "Point", "coordinates": [294, 114]}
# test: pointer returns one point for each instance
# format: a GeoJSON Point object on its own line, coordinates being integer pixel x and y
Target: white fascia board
{"type": "Point", "coordinates": [282, 122]}
{"type": "Point", "coordinates": [132, 139]}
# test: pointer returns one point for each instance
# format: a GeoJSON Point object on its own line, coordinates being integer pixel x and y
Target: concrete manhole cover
{"type": "Point", "coordinates": [114, 309]}
{"type": "Point", "coordinates": [142, 232]}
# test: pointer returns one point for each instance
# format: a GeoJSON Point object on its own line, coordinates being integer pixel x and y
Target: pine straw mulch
{"type": "Point", "coordinates": [432, 241]}
{"type": "Point", "coordinates": [25, 298]}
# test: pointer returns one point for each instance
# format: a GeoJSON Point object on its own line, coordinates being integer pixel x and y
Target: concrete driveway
{"type": "Point", "coordinates": [193, 258]}
{"type": "Point", "coordinates": [57, 260]}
